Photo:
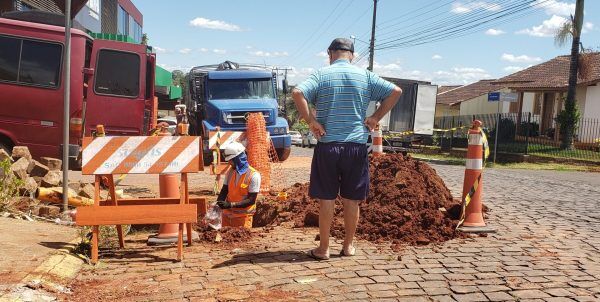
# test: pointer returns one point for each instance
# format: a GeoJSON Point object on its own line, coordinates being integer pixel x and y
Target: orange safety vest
{"type": "Point", "coordinates": [238, 191]}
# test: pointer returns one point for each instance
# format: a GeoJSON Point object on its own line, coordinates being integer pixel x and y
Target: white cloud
{"type": "Point", "coordinates": [519, 59]}
{"type": "Point", "coordinates": [436, 57]}
{"type": "Point", "coordinates": [219, 51]}
{"type": "Point", "coordinates": [494, 32]}
{"type": "Point", "coordinates": [513, 69]}
{"type": "Point", "coordinates": [548, 27]}
{"type": "Point", "coordinates": [174, 67]}
{"type": "Point", "coordinates": [185, 51]}
{"type": "Point", "coordinates": [553, 7]}
{"type": "Point", "coordinates": [214, 24]}
{"type": "Point", "coordinates": [463, 8]}
{"type": "Point", "coordinates": [322, 54]}
{"type": "Point", "coordinates": [267, 54]}
{"type": "Point", "coordinates": [159, 49]}
{"type": "Point", "coordinates": [588, 26]}
{"type": "Point", "coordinates": [203, 49]}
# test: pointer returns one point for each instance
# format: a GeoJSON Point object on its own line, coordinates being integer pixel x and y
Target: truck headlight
{"type": "Point", "coordinates": [275, 130]}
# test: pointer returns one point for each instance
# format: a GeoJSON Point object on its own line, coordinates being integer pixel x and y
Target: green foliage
{"type": "Point", "coordinates": [301, 127]}
{"type": "Point", "coordinates": [534, 129]}
{"type": "Point", "coordinates": [506, 133]}
{"type": "Point", "coordinates": [569, 117]}
{"type": "Point", "coordinates": [9, 184]}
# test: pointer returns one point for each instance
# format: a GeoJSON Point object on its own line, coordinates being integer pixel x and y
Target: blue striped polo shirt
{"type": "Point", "coordinates": [341, 93]}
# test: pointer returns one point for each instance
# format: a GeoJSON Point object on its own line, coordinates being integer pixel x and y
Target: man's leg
{"type": "Point", "coordinates": [326, 208]}
{"type": "Point", "coordinates": [351, 214]}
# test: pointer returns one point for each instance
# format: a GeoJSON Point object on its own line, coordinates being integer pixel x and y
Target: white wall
{"type": "Point", "coordinates": [592, 102]}
{"type": "Point", "coordinates": [528, 101]}
{"type": "Point", "coordinates": [480, 105]}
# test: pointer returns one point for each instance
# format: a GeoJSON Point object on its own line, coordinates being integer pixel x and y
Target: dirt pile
{"type": "Point", "coordinates": [226, 235]}
{"type": "Point", "coordinates": [408, 203]}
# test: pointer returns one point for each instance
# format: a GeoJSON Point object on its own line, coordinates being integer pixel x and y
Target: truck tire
{"type": "Point", "coordinates": [283, 153]}
{"type": "Point", "coordinates": [5, 145]}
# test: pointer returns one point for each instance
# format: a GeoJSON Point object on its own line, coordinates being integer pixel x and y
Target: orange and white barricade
{"type": "Point", "coordinates": [106, 156]}
{"type": "Point", "coordinates": [472, 207]}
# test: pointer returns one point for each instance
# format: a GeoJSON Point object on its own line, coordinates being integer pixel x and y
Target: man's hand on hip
{"type": "Point", "coordinates": [317, 129]}
{"type": "Point", "coordinates": [371, 122]}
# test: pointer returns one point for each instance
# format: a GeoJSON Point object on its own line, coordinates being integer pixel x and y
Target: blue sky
{"type": "Point", "coordinates": [187, 33]}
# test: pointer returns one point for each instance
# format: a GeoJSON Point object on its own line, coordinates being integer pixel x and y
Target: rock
{"type": "Point", "coordinates": [19, 168]}
{"type": "Point", "coordinates": [38, 179]}
{"type": "Point", "coordinates": [29, 186]}
{"type": "Point", "coordinates": [4, 155]}
{"type": "Point", "coordinates": [52, 179]}
{"type": "Point", "coordinates": [49, 211]}
{"type": "Point", "coordinates": [75, 186]}
{"type": "Point", "coordinates": [24, 204]}
{"type": "Point", "coordinates": [87, 190]}
{"type": "Point", "coordinates": [38, 169]}
{"type": "Point", "coordinates": [20, 152]}
{"type": "Point", "coordinates": [53, 164]}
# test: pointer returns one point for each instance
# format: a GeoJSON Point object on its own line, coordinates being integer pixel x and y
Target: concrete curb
{"type": "Point", "coordinates": [50, 277]}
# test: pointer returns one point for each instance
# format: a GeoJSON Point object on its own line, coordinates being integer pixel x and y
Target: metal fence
{"type": "Point", "coordinates": [524, 133]}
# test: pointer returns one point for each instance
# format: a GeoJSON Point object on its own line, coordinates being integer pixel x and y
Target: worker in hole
{"type": "Point", "coordinates": [240, 188]}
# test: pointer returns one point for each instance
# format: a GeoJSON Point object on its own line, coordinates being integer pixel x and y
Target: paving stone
{"type": "Point", "coordinates": [464, 289]}
{"type": "Point", "coordinates": [472, 297]}
{"type": "Point", "coordinates": [386, 279]}
{"type": "Point", "coordinates": [410, 292]}
{"type": "Point", "coordinates": [558, 292]}
{"type": "Point", "coordinates": [357, 280]}
{"type": "Point", "coordinates": [529, 294]}
{"type": "Point", "coordinates": [382, 294]}
{"type": "Point", "coordinates": [499, 296]}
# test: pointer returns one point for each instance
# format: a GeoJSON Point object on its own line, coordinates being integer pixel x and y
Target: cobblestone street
{"type": "Point", "coordinates": [547, 248]}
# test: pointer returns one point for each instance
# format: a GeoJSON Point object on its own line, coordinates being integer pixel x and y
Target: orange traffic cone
{"type": "Point", "coordinates": [472, 214]}
{"type": "Point", "coordinates": [377, 141]}
{"type": "Point", "coordinates": [168, 233]}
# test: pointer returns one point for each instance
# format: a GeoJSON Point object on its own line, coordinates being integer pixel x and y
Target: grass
{"type": "Point", "coordinates": [549, 151]}
{"type": "Point", "coordinates": [452, 160]}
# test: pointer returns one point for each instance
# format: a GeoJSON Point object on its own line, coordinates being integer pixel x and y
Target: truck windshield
{"type": "Point", "coordinates": [240, 89]}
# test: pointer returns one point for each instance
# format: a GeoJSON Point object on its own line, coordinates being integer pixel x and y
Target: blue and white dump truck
{"type": "Point", "coordinates": [222, 95]}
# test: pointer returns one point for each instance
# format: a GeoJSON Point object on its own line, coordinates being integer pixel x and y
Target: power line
{"type": "Point", "coordinates": [445, 23]}
{"type": "Point", "coordinates": [436, 33]}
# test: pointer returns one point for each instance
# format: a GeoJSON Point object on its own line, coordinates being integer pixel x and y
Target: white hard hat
{"type": "Point", "coordinates": [232, 150]}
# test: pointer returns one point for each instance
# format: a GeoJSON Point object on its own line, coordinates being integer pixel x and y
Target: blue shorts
{"type": "Point", "coordinates": [339, 168]}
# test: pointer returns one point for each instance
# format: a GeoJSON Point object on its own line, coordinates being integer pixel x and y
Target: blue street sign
{"type": "Point", "coordinates": [493, 96]}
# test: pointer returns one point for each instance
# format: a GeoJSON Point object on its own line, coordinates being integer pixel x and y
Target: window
{"type": "Point", "coordinates": [122, 21]}
{"type": "Point", "coordinates": [118, 73]}
{"type": "Point", "coordinates": [39, 62]}
{"type": "Point", "coordinates": [9, 58]}
{"type": "Point", "coordinates": [240, 89]}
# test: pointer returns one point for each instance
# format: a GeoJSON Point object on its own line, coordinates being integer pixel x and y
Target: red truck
{"type": "Point", "coordinates": [112, 83]}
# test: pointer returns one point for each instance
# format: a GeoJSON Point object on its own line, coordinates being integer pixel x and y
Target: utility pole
{"type": "Point", "coordinates": [372, 45]}
{"type": "Point", "coordinates": [66, 103]}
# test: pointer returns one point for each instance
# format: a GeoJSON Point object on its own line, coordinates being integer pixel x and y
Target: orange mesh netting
{"type": "Point", "coordinates": [278, 179]}
{"type": "Point", "coordinates": [258, 148]}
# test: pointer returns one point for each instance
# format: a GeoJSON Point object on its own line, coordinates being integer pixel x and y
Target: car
{"type": "Point", "coordinates": [296, 138]}
{"type": "Point", "coordinates": [171, 120]}
{"type": "Point", "coordinates": [309, 140]}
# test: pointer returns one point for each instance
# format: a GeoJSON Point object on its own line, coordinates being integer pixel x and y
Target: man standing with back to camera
{"type": "Point", "coordinates": [341, 94]}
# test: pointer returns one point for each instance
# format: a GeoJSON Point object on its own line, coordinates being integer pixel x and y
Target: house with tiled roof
{"type": "Point", "coordinates": [469, 99]}
{"type": "Point", "coordinates": [542, 89]}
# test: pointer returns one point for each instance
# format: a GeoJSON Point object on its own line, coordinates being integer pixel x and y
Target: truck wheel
{"type": "Point", "coordinates": [283, 153]}
{"type": "Point", "coordinates": [5, 146]}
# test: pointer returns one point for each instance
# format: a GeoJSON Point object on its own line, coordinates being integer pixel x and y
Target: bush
{"type": "Point", "coordinates": [532, 127]}
{"type": "Point", "coordinates": [9, 184]}
{"type": "Point", "coordinates": [507, 131]}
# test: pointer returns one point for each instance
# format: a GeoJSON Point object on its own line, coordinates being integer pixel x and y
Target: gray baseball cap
{"type": "Point", "coordinates": [342, 44]}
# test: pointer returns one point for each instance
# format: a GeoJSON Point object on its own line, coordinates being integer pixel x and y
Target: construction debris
{"type": "Point", "coordinates": [53, 164]}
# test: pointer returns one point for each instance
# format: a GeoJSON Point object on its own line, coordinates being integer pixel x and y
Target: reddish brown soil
{"type": "Point", "coordinates": [408, 203]}
{"type": "Point", "coordinates": [229, 235]}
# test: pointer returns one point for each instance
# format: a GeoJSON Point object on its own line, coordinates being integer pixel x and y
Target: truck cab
{"type": "Point", "coordinates": [222, 96]}
{"type": "Point", "coordinates": [112, 83]}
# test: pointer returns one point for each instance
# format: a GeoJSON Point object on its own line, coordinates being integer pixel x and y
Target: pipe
{"type": "Point", "coordinates": [55, 195]}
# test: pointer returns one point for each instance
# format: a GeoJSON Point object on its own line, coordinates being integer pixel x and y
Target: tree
{"type": "Point", "coordinates": [568, 117]}
{"type": "Point", "coordinates": [145, 39]}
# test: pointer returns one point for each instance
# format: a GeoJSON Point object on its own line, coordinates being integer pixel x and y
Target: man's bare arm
{"type": "Point", "coordinates": [385, 107]}
{"type": "Point", "coordinates": [302, 107]}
